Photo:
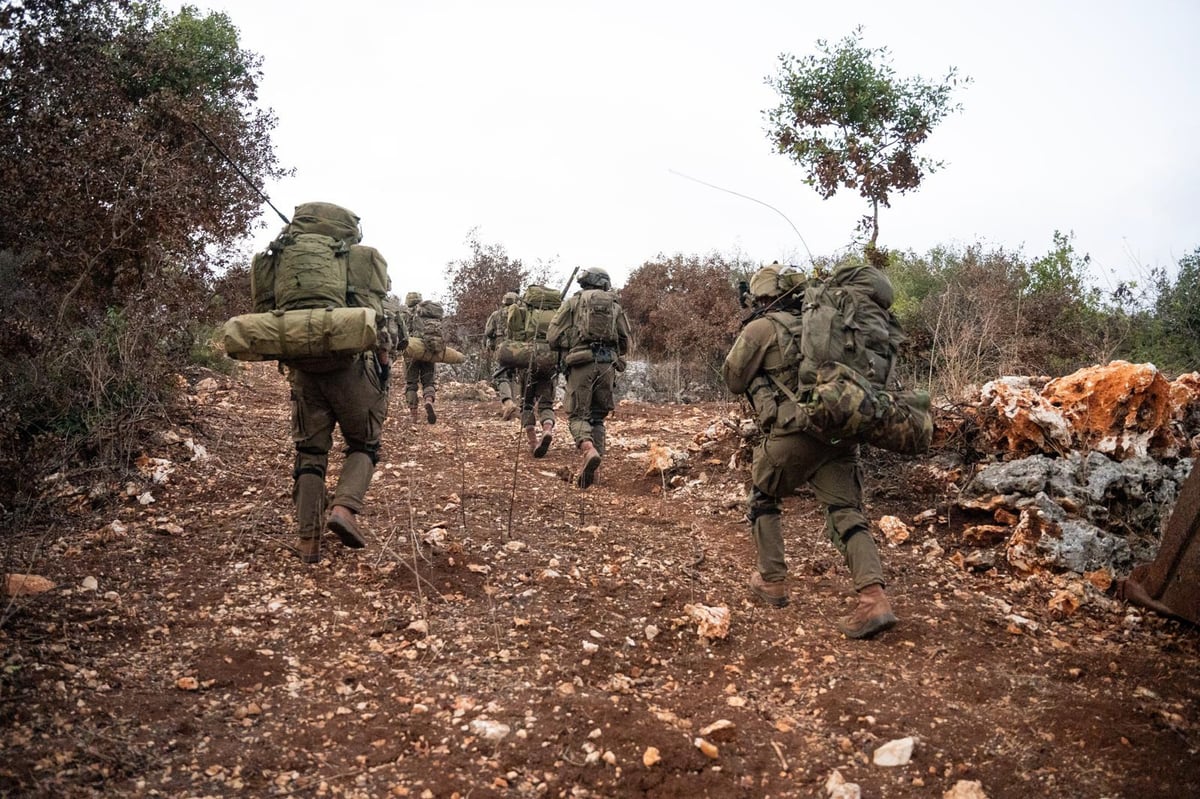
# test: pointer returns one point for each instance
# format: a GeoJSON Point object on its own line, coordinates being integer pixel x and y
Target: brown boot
{"type": "Point", "coordinates": [430, 415]}
{"type": "Point", "coordinates": [509, 410]}
{"type": "Point", "coordinates": [589, 464]}
{"type": "Point", "coordinates": [414, 413]}
{"type": "Point", "coordinates": [543, 446]}
{"type": "Point", "coordinates": [531, 437]}
{"type": "Point", "coordinates": [873, 614]}
{"type": "Point", "coordinates": [310, 550]}
{"type": "Point", "coordinates": [772, 593]}
{"type": "Point", "coordinates": [341, 521]}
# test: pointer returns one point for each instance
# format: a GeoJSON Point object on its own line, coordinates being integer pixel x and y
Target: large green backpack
{"type": "Point", "coordinates": [838, 355]}
{"type": "Point", "coordinates": [528, 319]}
{"type": "Point", "coordinates": [425, 323]}
{"type": "Point", "coordinates": [847, 319]}
{"type": "Point", "coordinates": [315, 263]}
{"type": "Point", "coordinates": [596, 317]}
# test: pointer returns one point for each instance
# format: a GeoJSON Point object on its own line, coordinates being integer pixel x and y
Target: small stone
{"type": "Point", "coordinates": [966, 789]}
{"type": "Point", "coordinates": [894, 753]}
{"type": "Point", "coordinates": [709, 750]}
{"type": "Point", "coordinates": [89, 583]}
{"type": "Point", "coordinates": [26, 584]}
{"type": "Point", "coordinates": [490, 730]}
{"type": "Point", "coordinates": [650, 756]}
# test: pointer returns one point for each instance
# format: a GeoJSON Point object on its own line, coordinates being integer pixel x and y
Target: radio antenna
{"type": "Point", "coordinates": [241, 174]}
{"type": "Point", "coordinates": [753, 200]}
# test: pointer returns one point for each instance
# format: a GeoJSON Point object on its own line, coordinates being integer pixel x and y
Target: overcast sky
{"type": "Point", "coordinates": [557, 128]}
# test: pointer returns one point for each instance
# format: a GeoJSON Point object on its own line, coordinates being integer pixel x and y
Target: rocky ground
{"type": "Point", "coordinates": [508, 635]}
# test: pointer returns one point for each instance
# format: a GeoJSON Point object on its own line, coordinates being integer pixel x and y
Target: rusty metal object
{"type": "Point", "coordinates": [1170, 584]}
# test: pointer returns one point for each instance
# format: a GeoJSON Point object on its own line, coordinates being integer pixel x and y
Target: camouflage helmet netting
{"type": "Point", "coordinates": [765, 282]}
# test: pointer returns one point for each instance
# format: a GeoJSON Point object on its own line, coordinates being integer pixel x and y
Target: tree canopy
{"type": "Point", "coordinates": [104, 172]}
{"type": "Point", "coordinates": [118, 211]}
{"type": "Point", "coordinates": [477, 284]}
{"type": "Point", "coordinates": [850, 121]}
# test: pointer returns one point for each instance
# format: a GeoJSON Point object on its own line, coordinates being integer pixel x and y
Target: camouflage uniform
{"type": "Point", "coordinates": [353, 395]}
{"type": "Point", "coordinates": [589, 390]}
{"type": "Point", "coordinates": [786, 459]}
{"type": "Point", "coordinates": [354, 398]}
{"type": "Point", "coordinates": [494, 333]}
{"type": "Point", "coordinates": [418, 374]}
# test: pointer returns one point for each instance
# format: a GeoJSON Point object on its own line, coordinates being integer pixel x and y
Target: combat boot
{"type": "Point", "coordinates": [589, 464]}
{"type": "Point", "coordinates": [508, 410]}
{"type": "Point", "coordinates": [341, 521]}
{"type": "Point", "coordinates": [531, 437]}
{"type": "Point", "coordinates": [872, 614]}
{"type": "Point", "coordinates": [772, 593]}
{"type": "Point", "coordinates": [310, 550]}
{"type": "Point", "coordinates": [430, 415]}
{"type": "Point", "coordinates": [413, 413]}
{"type": "Point", "coordinates": [543, 446]}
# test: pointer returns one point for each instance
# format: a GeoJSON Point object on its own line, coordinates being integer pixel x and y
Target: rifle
{"type": "Point", "coordinates": [566, 288]}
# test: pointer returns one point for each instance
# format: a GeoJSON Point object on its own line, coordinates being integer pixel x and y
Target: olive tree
{"type": "Point", "coordinates": [850, 121]}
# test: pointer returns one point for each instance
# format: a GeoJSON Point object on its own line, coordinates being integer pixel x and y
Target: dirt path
{"type": "Point", "coordinates": [537, 642]}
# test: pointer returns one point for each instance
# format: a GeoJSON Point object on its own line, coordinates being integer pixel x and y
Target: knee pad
{"type": "Point", "coordinates": [370, 451]}
{"type": "Point", "coordinates": [761, 504]}
{"type": "Point", "coordinates": [299, 470]}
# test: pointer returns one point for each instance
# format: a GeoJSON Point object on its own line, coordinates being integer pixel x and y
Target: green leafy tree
{"type": "Point", "coordinates": [850, 122]}
{"type": "Point", "coordinates": [1171, 330]}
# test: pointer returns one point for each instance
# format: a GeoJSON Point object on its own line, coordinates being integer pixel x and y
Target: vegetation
{"type": "Point", "coordinates": [476, 286]}
{"type": "Point", "coordinates": [851, 122]}
{"type": "Point", "coordinates": [123, 223]}
{"type": "Point", "coordinates": [118, 212]}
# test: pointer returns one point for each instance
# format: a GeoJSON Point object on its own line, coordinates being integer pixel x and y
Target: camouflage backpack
{"type": "Point", "coordinates": [842, 346]}
{"type": "Point", "coordinates": [426, 324]}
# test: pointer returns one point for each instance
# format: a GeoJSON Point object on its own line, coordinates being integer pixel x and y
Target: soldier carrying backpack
{"type": "Point", "coordinates": [495, 332]}
{"type": "Point", "coordinates": [783, 359]}
{"type": "Point", "coordinates": [591, 334]}
{"type": "Point", "coordinates": [424, 319]}
{"type": "Point", "coordinates": [526, 352]}
{"type": "Point", "coordinates": [319, 298]}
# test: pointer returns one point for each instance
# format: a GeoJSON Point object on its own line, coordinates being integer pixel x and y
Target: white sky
{"type": "Point", "coordinates": [553, 127]}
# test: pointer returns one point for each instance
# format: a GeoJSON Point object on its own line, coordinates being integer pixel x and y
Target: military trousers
{"type": "Point", "coordinates": [422, 376]}
{"type": "Point", "coordinates": [502, 381]}
{"type": "Point", "coordinates": [589, 401]}
{"type": "Point", "coordinates": [537, 396]}
{"type": "Point", "coordinates": [784, 462]}
{"type": "Point", "coordinates": [353, 398]}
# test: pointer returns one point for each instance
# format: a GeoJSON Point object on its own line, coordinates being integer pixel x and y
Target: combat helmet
{"type": "Point", "coordinates": [510, 297]}
{"type": "Point", "coordinates": [764, 285]}
{"type": "Point", "coordinates": [412, 298]}
{"type": "Point", "coordinates": [593, 277]}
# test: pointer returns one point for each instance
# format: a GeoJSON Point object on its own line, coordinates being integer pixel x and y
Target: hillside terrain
{"type": "Point", "coordinates": [506, 634]}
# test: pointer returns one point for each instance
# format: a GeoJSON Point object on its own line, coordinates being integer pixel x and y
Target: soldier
{"type": "Point", "coordinates": [494, 333]}
{"type": "Point", "coordinates": [764, 357]}
{"type": "Point", "coordinates": [353, 395]}
{"type": "Point", "coordinates": [592, 334]}
{"type": "Point", "coordinates": [418, 373]}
